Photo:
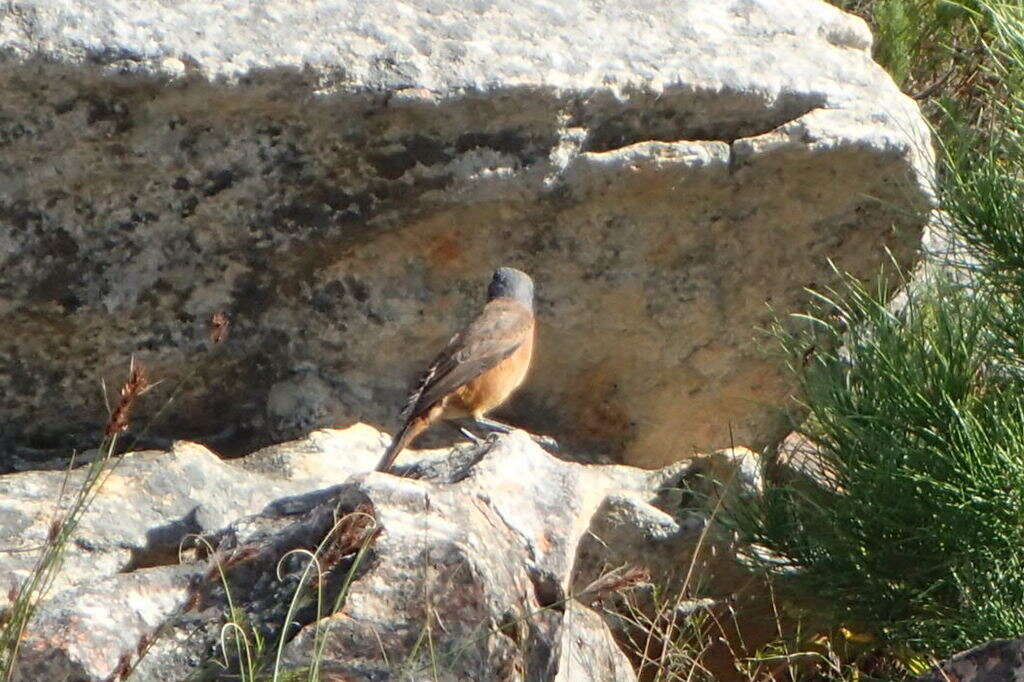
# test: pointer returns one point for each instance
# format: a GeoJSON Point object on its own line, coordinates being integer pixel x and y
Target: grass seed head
{"type": "Point", "coordinates": [133, 387]}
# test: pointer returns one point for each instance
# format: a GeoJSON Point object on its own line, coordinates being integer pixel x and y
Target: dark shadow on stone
{"type": "Point", "coordinates": [163, 543]}
{"type": "Point", "coordinates": [293, 505]}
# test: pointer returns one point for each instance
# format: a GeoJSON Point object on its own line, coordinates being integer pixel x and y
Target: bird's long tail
{"type": "Point", "coordinates": [412, 428]}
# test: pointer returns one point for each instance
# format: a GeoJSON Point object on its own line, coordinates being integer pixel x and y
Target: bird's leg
{"type": "Point", "coordinates": [491, 424]}
{"type": "Point", "coordinates": [546, 442]}
{"type": "Point", "coordinates": [472, 437]}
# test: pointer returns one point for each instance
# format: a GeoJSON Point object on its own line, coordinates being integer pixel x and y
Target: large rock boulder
{"type": "Point", "coordinates": [342, 177]}
{"type": "Point", "coordinates": [1001, 660]}
{"type": "Point", "coordinates": [490, 562]}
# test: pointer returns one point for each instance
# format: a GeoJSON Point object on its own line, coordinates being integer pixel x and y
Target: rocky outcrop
{"type": "Point", "coordinates": [1001, 660]}
{"type": "Point", "coordinates": [487, 562]}
{"type": "Point", "coordinates": [342, 177]}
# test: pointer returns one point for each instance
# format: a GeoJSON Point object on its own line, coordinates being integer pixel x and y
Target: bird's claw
{"type": "Point", "coordinates": [546, 442]}
{"type": "Point", "coordinates": [472, 437]}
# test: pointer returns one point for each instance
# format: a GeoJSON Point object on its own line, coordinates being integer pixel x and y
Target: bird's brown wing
{"type": "Point", "coordinates": [502, 326]}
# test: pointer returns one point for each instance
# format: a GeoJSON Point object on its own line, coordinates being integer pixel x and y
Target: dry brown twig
{"type": "Point", "coordinates": [219, 324]}
{"type": "Point", "coordinates": [616, 580]}
{"type": "Point", "coordinates": [354, 530]}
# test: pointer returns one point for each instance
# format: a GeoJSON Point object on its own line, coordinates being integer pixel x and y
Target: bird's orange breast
{"type": "Point", "coordinates": [494, 386]}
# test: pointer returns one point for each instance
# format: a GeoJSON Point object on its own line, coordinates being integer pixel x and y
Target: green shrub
{"type": "Point", "coordinates": [920, 413]}
{"type": "Point", "coordinates": [920, 538]}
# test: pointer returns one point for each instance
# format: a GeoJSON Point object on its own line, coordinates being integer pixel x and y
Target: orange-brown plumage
{"type": "Point", "coordinates": [479, 368]}
{"type": "Point", "coordinates": [493, 387]}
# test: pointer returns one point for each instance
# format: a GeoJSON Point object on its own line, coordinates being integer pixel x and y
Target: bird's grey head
{"type": "Point", "coordinates": [511, 283]}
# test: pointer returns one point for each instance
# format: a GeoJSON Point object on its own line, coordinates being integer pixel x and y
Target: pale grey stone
{"type": "Point", "coordinates": [496, 554]}
{"type": "Point", "coordinates": [341, 177]}
{"type": "Point", "coordinates": [1001, 660]}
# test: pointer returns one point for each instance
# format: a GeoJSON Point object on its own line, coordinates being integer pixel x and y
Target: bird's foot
{"type": "Point", "coordinates": [471, 437]}
{"type": "Point", "coordinates": [496, 427]}
{"type": "Point", "coordinates": [546, 442]}
{"type": "Point", "coordinates": [490, 425]}
{"type": "Point", "coordinates": [465, 432]}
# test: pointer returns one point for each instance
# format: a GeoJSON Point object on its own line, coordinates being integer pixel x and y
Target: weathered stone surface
{"type": "Point", "coordinates": [90, 631]}
{"type": "Point", "coordinates": [799, 460]}
{"type": "Point", "coordinates": [342, 177]}
{"type": "Point", "coordinates": [1001, 660]}
{"type": "Point", "coordinates": [147, 506]}
{"type": "Point", "coordinates": [634, 528]}
{"type": "Point", "coordinates": [482, 562]}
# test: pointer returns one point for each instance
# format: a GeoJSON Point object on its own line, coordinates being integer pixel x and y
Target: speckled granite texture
{"type": "Point", "coordinates": [342, 177]}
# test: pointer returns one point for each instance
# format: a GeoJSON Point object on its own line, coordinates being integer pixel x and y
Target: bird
{"type": "Point", "coordinates": [478, 369]}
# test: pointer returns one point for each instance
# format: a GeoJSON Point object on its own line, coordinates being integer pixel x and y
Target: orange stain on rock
{"type": "Point", "coordinates": [598, 412]}
{"type": "Point", "coordinates": [444, 248]}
